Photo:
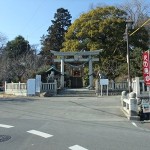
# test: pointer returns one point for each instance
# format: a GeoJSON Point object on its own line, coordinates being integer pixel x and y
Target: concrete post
{"type": "Point", "coordinates": [113, 84]}
{"type": "Point", "coordinates": [137, 86]}
{"type": "Point", "coordinates": [37, 85]}
{"type": "Point", "coordinates": [55, 87]}
{"type": "Point", "coordinates": [123, 96]}
{"type": "Point", "coordinates": [90, 72]}
{"type": "Point", "coordinates": [97, 87]}
{"type": "Point", "coordinates": [62, 73]}
{"type": "Point", "coordinates": [133, 107]}
{"type": "Point", "coordinates": [5, 86]}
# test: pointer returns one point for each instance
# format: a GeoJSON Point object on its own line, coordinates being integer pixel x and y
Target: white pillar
{"type": "Point", "coordinates": [5, 86]}
{"type": "Point", "coordinates": [90, 72]}
{"type": "Point", "coordinates": [55, 87]}
{"type": "Point", "coordinates": [62, 73]}
{"type": "Point", "coordinates": [137, 86]}
{"type": "Point", "coordinates": [97, 87]}
{"type": "Point", "coordinates": [38, 85]}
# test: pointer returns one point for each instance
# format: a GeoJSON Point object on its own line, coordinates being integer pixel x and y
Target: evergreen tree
{"type": "Point", "coordinates": [56, 32]}
{"type": "Point", "coordinates": [17, 47]}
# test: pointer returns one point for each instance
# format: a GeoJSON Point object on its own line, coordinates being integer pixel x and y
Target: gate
{"type": "Point", "coordinates": [76, 82]}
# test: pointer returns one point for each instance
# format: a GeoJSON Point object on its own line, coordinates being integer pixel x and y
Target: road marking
{"type": "Point", "coordinates": [77, 147]}
{"type": "Point", "coordinates": [134, 124]}
{"type": "Point", "coordinates": [6, 126]}
{"type": "Point", "coordinates": [42, 134]}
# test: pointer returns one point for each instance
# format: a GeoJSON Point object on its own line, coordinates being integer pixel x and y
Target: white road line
{"type": "Point", "coordinates": [77, 147]}
{"type": "Point", "coordinates": [134, 124]}
{"type": "Point", "coordinates": [5, 126]}
{"type": "Point", "coordinates": [42, 134]}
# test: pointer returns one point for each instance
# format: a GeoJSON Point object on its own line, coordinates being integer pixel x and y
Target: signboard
{"type": "Point", "coordinates": [31, 87]}
{"type": "Point", "coordinates": [146, 67]}
{"type": "Point", "coordinates": [146, 105]}
{"type": "Point", "coordinates": [103, 81]}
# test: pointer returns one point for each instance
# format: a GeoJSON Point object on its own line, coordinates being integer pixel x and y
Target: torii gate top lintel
{"type": "Point", "coordinates": [94, 52]}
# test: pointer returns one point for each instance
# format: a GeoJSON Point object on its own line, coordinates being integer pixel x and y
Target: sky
{"type": "Point", "coordinates": [31, 18]}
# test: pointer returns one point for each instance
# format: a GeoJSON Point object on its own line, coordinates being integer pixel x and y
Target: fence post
{"type": "Point", "coordinates": [97, 87]}
{"type": "Point", "coordinates": [133, 107]}
{"type": "Point", "coordinates": [19, 87]}
{"type": "Point", "coordinates": [113, 84]}
{"type": "Point", "coordinates": [137, 86]}
{"type": "Point", "coordinates": [55, 86]}
{"type": "Point", "coordinates": [5, 86]}
{"type": "Point", "coordinates": [123, 96]}
{"type": "Point", "coordinates": [143, 87]}
{"type": "Point", "coordinates": [12, 86]}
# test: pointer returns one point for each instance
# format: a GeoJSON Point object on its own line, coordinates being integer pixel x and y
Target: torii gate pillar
{"type": "Point", "coordinates": [62, 72]}
{"type": "Point", "coordinates": [90, 73]}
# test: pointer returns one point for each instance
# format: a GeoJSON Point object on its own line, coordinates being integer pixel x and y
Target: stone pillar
{"type": "Point", "coordinates": [62, 73]}
{"type": "Point", "coordinates": [37, 85]}
{"type": "Point", "coordinates": [97, 87]}
{"type": "Point", "coordinates": [90, 72]}
{"type": "Point", "coordinates": [133, 107]}
{"type": "Point", "coordinates": [5, 86]}
{"type": "Point", "coordinates": [123, 96]}
{"type": "Point", "coordinates": [55, 87]}
{"type": "Point", "coordinates": [137, 86]}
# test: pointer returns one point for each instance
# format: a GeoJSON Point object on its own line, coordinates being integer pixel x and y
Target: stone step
{"type": "Point", "coordinates": [76, 93]}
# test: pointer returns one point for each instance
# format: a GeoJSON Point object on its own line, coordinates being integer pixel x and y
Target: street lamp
{"type": "Point", "coordinates": [129, 24]}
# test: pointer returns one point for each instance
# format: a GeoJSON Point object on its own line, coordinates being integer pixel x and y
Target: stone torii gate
{"type": "Point", "coordinates": [77, 58]}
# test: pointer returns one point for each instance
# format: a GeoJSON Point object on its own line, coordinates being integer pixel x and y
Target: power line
{"type": "Point", "coordinates": [139, 27]}
{"type": "Point", "coordinates": [34, 14]}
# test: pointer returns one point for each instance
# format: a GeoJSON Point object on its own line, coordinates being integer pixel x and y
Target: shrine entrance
{"type": "Point", "coordinates": [75, 61]}
{"type": "Point", "coordinates": [76, 82]}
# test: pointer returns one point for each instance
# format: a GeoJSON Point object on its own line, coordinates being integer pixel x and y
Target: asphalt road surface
{"type": "Point", "coordinates": [69, 123]}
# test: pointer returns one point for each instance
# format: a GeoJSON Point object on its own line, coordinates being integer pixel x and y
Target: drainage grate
{"type": "Point", "coordinates": [4, 138]}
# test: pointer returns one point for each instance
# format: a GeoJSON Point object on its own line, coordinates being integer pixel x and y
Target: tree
{"type": "Point", "coordinates": [136, 62]}
{"type": "Point", "coordinates": [2, 42]}
{"type": "Point", "coordinates": [137, 9]}
{"type": "Point", "coordinates": [55, 37]}
{"type": "Point", "coordinates": [98, 29]}
{"type": "Point", "coordinates": [17, 47]}
{"type": "Point", "coordinates": [103, 28]}
{"type": "Point", "coordinates": [18, 60]}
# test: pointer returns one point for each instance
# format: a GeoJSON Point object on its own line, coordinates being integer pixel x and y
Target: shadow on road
{"type": "Point", "coordinates": [79, 104]}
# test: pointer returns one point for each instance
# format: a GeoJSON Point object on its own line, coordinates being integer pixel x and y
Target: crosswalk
{"type": "Point", "coordinates": [44, 135]}
{"type": "Point", "coordinates": [39, 133]}
{"type": "Point", "coordinates": [5, 126]}
{"type": "Point", "coordinates": [77, 147]}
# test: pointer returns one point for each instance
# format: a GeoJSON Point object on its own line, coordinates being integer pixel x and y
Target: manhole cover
{"type": "Point", "coordinates": [4, 138]}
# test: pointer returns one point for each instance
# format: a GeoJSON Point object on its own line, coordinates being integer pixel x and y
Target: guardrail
{"type": "Point", "coordinates": [130, 105]}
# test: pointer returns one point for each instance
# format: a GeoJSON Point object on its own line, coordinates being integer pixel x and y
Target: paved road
{"type": "Point", "coordinates": [63, 123]}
